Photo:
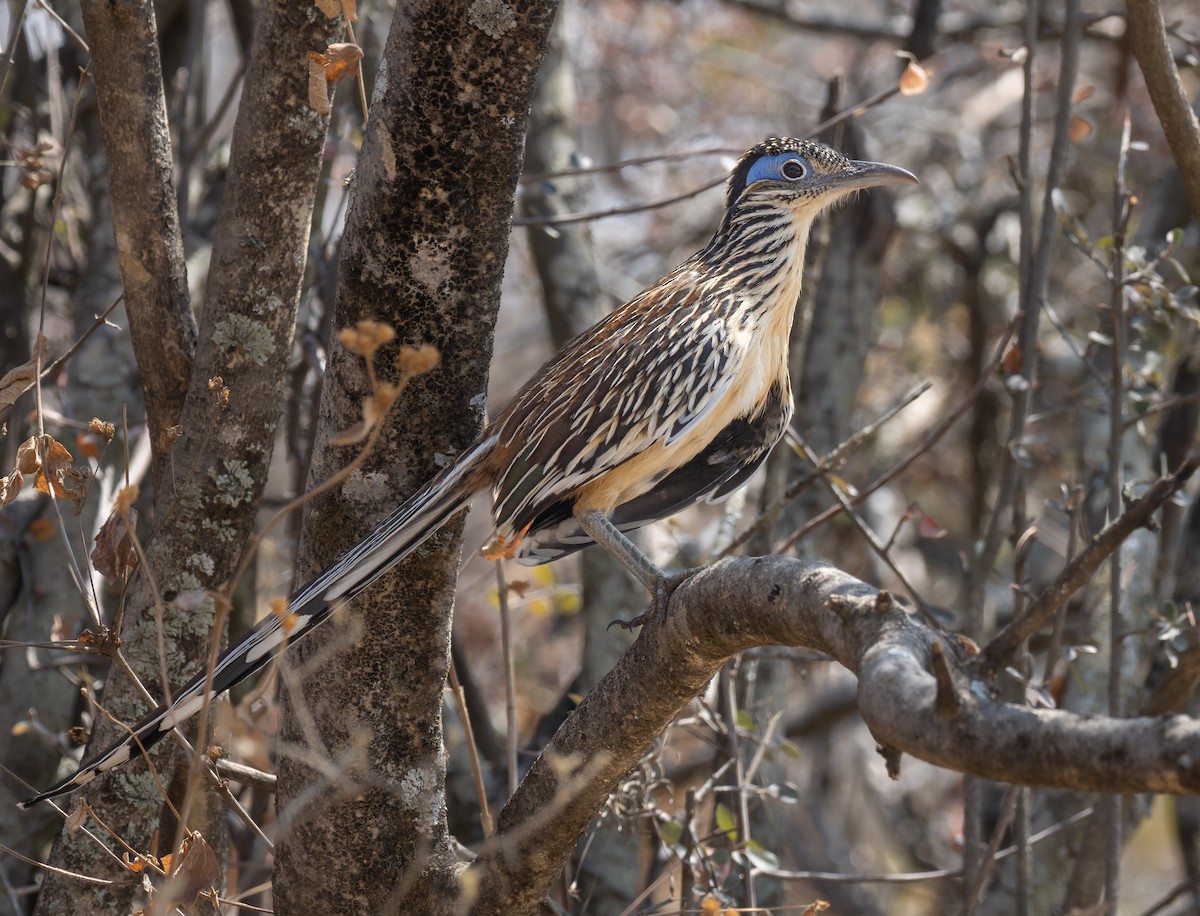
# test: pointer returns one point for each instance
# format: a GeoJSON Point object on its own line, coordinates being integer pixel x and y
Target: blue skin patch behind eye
{"type": "Point", "coordinates": [770, 166]}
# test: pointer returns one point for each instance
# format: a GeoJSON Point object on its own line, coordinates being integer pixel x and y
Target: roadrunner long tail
{"type": "Point", "coordinates": [675, 397]}
{"type": "Point", "coordinates": [402, 532]}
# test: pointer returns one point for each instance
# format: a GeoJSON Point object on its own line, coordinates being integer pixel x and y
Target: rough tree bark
{"type": "Point", "coordinates": [424, 249]}
{"type": "Point", "coordinates": [213, 478]}
{"type": "Point", "coordinates": [918, 692]}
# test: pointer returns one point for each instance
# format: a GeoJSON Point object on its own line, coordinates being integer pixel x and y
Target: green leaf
{"type": "Point", "coordinates": [726, 823]}
{"type": "Point", "coordinates": [671, 832]}
{"type": "Point", "coordinates": [745, 722]}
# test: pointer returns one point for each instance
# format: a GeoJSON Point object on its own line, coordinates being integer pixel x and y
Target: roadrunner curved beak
{"type": "Point", "coordinates": [862, 175]}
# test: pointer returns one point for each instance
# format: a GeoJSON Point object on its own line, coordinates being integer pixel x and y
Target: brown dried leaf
{"type": "Point", "coordinates": [40, 530]}
{"type": "Point", "coordinates": [914, 80]}
{"type": "Point", "coordinates": [76, 818]}
{"type": "Point", "coordinates": [19, 380]}
{"type": "Point", "coordinates": [350, 10]}
{"type": "Point", "coordinates": [57, 469]}
{"type": "Point", "coordinates": [102, 428]}
{"type": "Point", "coordinates": [318, 86]}
{"type": "Point", "coordinates": [1081, 129]}
{"type": "Point", "coordinates": [329, 7]}
{"type": "Point", "coordinates": [341, 61]}
{"type": "Point", "coordinates": [196, 872]}
{"type": "Point", "coordinates": [27, 456]}
{"type": "Point", "coordinates": [10, 486]}
{"type": "Point", "coordinates": [1082, 94]}
{"type": "Point", "coordinates": [140, 864]}
{"type": "Point", "coordinates": [114, 552]}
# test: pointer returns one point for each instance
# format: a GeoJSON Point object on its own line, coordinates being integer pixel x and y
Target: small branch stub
{"type": "Point", "coordinates": [891, 759]}
{"type": "Point", "coordinates": [943, 673]}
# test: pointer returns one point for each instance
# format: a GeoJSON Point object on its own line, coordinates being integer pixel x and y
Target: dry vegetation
{"type": "Point", "coordinates": [1040, 284]}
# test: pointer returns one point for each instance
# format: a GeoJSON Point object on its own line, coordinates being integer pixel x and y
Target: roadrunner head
{"type": "Point", "coordinates": [803, 176]}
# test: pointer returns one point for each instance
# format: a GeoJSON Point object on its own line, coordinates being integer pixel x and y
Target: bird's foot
{"type": "Point", "coordinates": [660, 597]}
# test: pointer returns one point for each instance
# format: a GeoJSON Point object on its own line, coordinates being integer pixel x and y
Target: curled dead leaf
{"type": "Point", "coordinates": [57, 475]}
{"type": "Point", "coordinates": [914, 80]}
{"type": "Point", "coordinates": [194, 869]}
{"type": "Point", "coordinates": [102, 428]}
{"type": "Point", "coordinates": [342, 61]}
{"type": "Point", "coordinates": [114, 552]}
{"type": "Point", "coordinates": [1081, 129]}
{"type": "Point", "coordinates": [318, 86]}
{"type": "Point", "coordinates": [76, 818]}
{"type": "Point", "coordinates": [27, 456]}
{"type": "Point", "coordinates": [10, 486]}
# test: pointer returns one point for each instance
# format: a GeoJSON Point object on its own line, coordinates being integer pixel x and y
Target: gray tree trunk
{"type": "Point", "coordinates": [362, 772]}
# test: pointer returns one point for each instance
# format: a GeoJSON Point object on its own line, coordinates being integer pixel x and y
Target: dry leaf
{"type": "Point", "coordinates": [40, 530]}
{"type": "Point", "coordinates": [114, 552]}
{"type": "Point", "coordinates": [350, 10]}
{"type": "Point", "coordinates": [1082, 94]}
{"type": "Point", "coordinates": [341, 61]}
{"type": "Point", "coordinates": [19, 380]}
{"type": "Point", "coordinates": [197, 871]}
{"type": "Point", "coordinates": [318, 86]}
{"type": "Point", "coordinates": [140, 864]}
{"type": "Point", "coordinates": [329, 7]}
{"type": "Point", "coordinates": [102, 428]}
{"type": "Point", "coordinates": [914, 80]}
{"type": "Point", "coordinates": [56, 470]}
{"type": "Point", "coordinates": [1081, 129]}
{"type": "Point", "coordinates": [76, 818]}
{"type": "Point", "coordinates": [10, 486]}
{"type": "Point", "coordinates": [27, 456]}
{"type": "Point", "coordinates": [1012, 360]}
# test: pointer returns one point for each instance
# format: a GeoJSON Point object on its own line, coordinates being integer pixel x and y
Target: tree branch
{"type": "Point", "coordinates": [744, 602]}
{"type": "Point", "coordinates": [137, 143]}
{"type": "Point", "coordinates": [1148, 35]}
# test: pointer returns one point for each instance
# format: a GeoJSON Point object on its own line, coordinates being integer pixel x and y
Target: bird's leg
{"type": "Point", "coordinates": [600, 529]}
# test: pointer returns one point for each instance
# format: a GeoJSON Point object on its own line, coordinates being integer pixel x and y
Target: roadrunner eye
{"type": "Point", "coordinates": [793, 170]}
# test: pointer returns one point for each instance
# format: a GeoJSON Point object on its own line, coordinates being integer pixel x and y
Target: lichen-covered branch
{"type": "Point", "coordinates": [137, 142]}
{"type": "Point", "coordinates": [916, 693]}
{"type": "Point", "coordinates": [211, 485]}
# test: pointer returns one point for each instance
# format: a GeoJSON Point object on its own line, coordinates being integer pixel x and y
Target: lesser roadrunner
{"type": "Point", "coordinates": [675, 397]}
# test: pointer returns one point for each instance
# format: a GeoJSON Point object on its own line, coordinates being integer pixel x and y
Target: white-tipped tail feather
{"type": "Point", "coordinates": [394, 538]}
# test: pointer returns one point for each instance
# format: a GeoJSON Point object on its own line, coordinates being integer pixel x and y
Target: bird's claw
{"type": "Point", "coordinates": [660, 597]}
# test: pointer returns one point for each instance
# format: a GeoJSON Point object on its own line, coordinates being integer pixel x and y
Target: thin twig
{"type": "Point", "coordinates": [510, 683]}
{"type": "Point", "coordinates": [914, 877]}
{"type": "Point", "coordinates": [1076, 573]}
{"type": "Point", "coordinates": [460, 702]}
{"type": "Point", "coordinates": [1116, 433]}
{"type": "Point", "coordinates": [829, 463]}
{"type": "Point", "coordinates": [920, 449]}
